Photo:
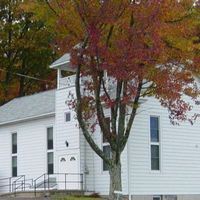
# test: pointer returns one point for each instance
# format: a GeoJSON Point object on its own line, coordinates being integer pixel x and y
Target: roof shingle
{"type": "Point", "coordinates": [28, 107]}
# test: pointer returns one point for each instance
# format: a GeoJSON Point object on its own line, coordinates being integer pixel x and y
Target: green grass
{"type": "Point", "coordinates": [74, 198]}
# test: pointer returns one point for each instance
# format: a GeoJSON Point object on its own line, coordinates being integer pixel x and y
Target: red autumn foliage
{"type": "Point", "coordinates": [126, 51]}
{"type": "Point", "coordinates": [150, 43]}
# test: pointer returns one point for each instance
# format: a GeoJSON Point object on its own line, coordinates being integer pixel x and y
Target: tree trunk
{"type": "Point", "coordinates": [115, 179]}
{"type": "Point", "coordinates": [21, 87]}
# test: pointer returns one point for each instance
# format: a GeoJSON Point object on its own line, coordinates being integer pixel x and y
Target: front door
{"type": "Point", "coordinates": [69, 177]}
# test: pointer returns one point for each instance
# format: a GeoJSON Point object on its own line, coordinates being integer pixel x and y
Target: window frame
{"type": "Point", "coordinates": [152, 116]}
{"type": "Point", "coordinates": [14, 155]}
{"type": "Point", "coordinates": [50, 127]}
{"type": "Point", "coordinates": [152, 143]}
{"type": "Point", "coordinates": [14, 175]}
{"type": "Point", "coordinates": [49, 150]}
{"type": "Point", "coordinates": [105, 145]}
{"type": "Point", "coordinates": [14, 133]}
{"type": "Point", "coordinates": [157, 196]}
{"type": "Point", "coordinates": [67, 112]}
{"type": "Point", "coordinates": [156, 145]}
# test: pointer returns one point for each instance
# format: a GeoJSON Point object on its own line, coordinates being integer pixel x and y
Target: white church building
{"type": "Point", "coordinates": [41, 146]}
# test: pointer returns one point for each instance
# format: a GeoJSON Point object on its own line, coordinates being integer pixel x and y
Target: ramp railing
{"type": "Point", "coordinates": [59, 181]}
{"type": "Point", "coordinates": [7, 184]}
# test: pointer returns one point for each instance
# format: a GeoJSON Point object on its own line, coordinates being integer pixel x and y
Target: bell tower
{"type": "Point", "coordinates": [66, 131]}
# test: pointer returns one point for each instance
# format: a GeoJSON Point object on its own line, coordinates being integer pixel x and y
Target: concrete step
{"type": "Point", "coordinates": [24, 198]}
{"type": "Point", "coordinates": [23, 195]}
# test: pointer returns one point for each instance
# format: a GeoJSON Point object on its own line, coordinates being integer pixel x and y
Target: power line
{"type": "Point", "coordinates": [30, 77]}
{"type": "Point", "coordinates": [27, 76]}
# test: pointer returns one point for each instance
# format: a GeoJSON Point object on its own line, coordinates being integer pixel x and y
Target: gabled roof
{"type": "Point", "coordinates": [28, 107]}
{"type": "Point", "coordinates": [62, 60]}
{"type": "Point", "coordinates": [63, 63]}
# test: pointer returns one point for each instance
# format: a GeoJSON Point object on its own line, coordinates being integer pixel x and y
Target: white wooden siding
{"type": "Point", "coordinates": [89, 168]}
{"type": "Point", "coordinates": [66, 131]}
{"type": "Point", "coordinates": [180, 155]}
{"type": "Point", "coordinates": [31, 148]}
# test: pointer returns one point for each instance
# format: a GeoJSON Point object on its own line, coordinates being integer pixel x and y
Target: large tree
{"type": "Point", "coordinates": [25, 51]}
{"type": "Point", "coordinates": [128, 50]}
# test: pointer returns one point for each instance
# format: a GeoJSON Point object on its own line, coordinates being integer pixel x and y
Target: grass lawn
{"type": "Point", "coordinates": [74, 198]}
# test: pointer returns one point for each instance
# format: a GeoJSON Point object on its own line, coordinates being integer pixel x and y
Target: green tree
{"type": "Point", "coordinates": [25, 48]}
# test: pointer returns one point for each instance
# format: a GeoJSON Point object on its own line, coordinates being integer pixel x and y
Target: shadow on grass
{"type": "Point", "coordinates": [67, 197]}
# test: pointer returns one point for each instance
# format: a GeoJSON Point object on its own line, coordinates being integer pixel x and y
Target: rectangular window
{"type": "Point", "coordinates": [14, 154]}
{"type": "Point", "coordinates": [14, 143]}
{"type": "Point", "coordinates": [67, 116]}
{"type": "Point", "coordinates": [50, 138]}
{"type": "Point", "coordinates": [155, 165]}
{"type": "Point", "coordinates": [14, 166]}
{"type": "Point", "coordinates": [50, 154]}
{"type": "Point", "coordinates": [154, 124]}
{"type": "Point", "coordinates": [106, 146]}
{"type": "Point", "coordinates": [157, 198]}
{"type": "Point", "coordinates": [155, 143]}
{"type": "Point", "coordinates": [171, 197]}
{"type": "Point", "coordinates": [50, 163]}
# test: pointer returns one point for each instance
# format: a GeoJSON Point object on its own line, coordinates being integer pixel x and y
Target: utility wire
{"type": "Point", "coordinates": [31, 77]}
{"type": "Point", "coordinates": [26, 76]}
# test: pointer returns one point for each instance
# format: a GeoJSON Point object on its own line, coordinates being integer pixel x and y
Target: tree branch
{"type": "Point", "coordinates": [82, 124]}
{"type": "Point", "coordinates": [51, 8]}
{"type": "Point", "coordinates": [121, 120]}
{"type": "Point", "coordinates": [132, 117]}
{"type": "Point", "coordinates": [100, 113]}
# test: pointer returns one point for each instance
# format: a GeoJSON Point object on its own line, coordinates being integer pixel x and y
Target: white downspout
{"type": "Point", "coordinates": [85, 164]}
{"type": "Point", "coordinates": [128, 169]}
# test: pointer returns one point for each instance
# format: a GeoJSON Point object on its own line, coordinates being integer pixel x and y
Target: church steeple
{"type": "Point", "coordinates": [62, 65]}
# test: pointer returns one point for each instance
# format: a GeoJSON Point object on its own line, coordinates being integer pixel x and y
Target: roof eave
{"type": "Point", "coordinates": [51, 114]}
{"type": "Point", "coordinates": [63, 66]}
{"type": "Point", "coordinates": [57, 65]}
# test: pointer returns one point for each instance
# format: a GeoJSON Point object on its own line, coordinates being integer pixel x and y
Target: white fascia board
{"type": "Point", "coordinates": [59, 64]}
{"type": "Point", "coordinates": [28, 118]}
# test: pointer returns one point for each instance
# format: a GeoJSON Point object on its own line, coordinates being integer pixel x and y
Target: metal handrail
{"type": "Point", "coordinates": [17, 180]}
{"type": "Point", "coordinates": [35, 181]}
{"type": "Point", "coordinates": [10, 182]}
{"type": "Point", "coordinates": [24, 185]}
{"type": "Point", "coordinates": [14, 183]}
{"type": "Point", "coordinates": [45, 180]}
{"type": "Point", "coordinates": [2, 179]}
{"type": "Point", "coordinates": [39, 177]}
{"type": "Point", "coordinates": [24, 182]}
{"type": "Point", "coordinates": [31, 179]}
